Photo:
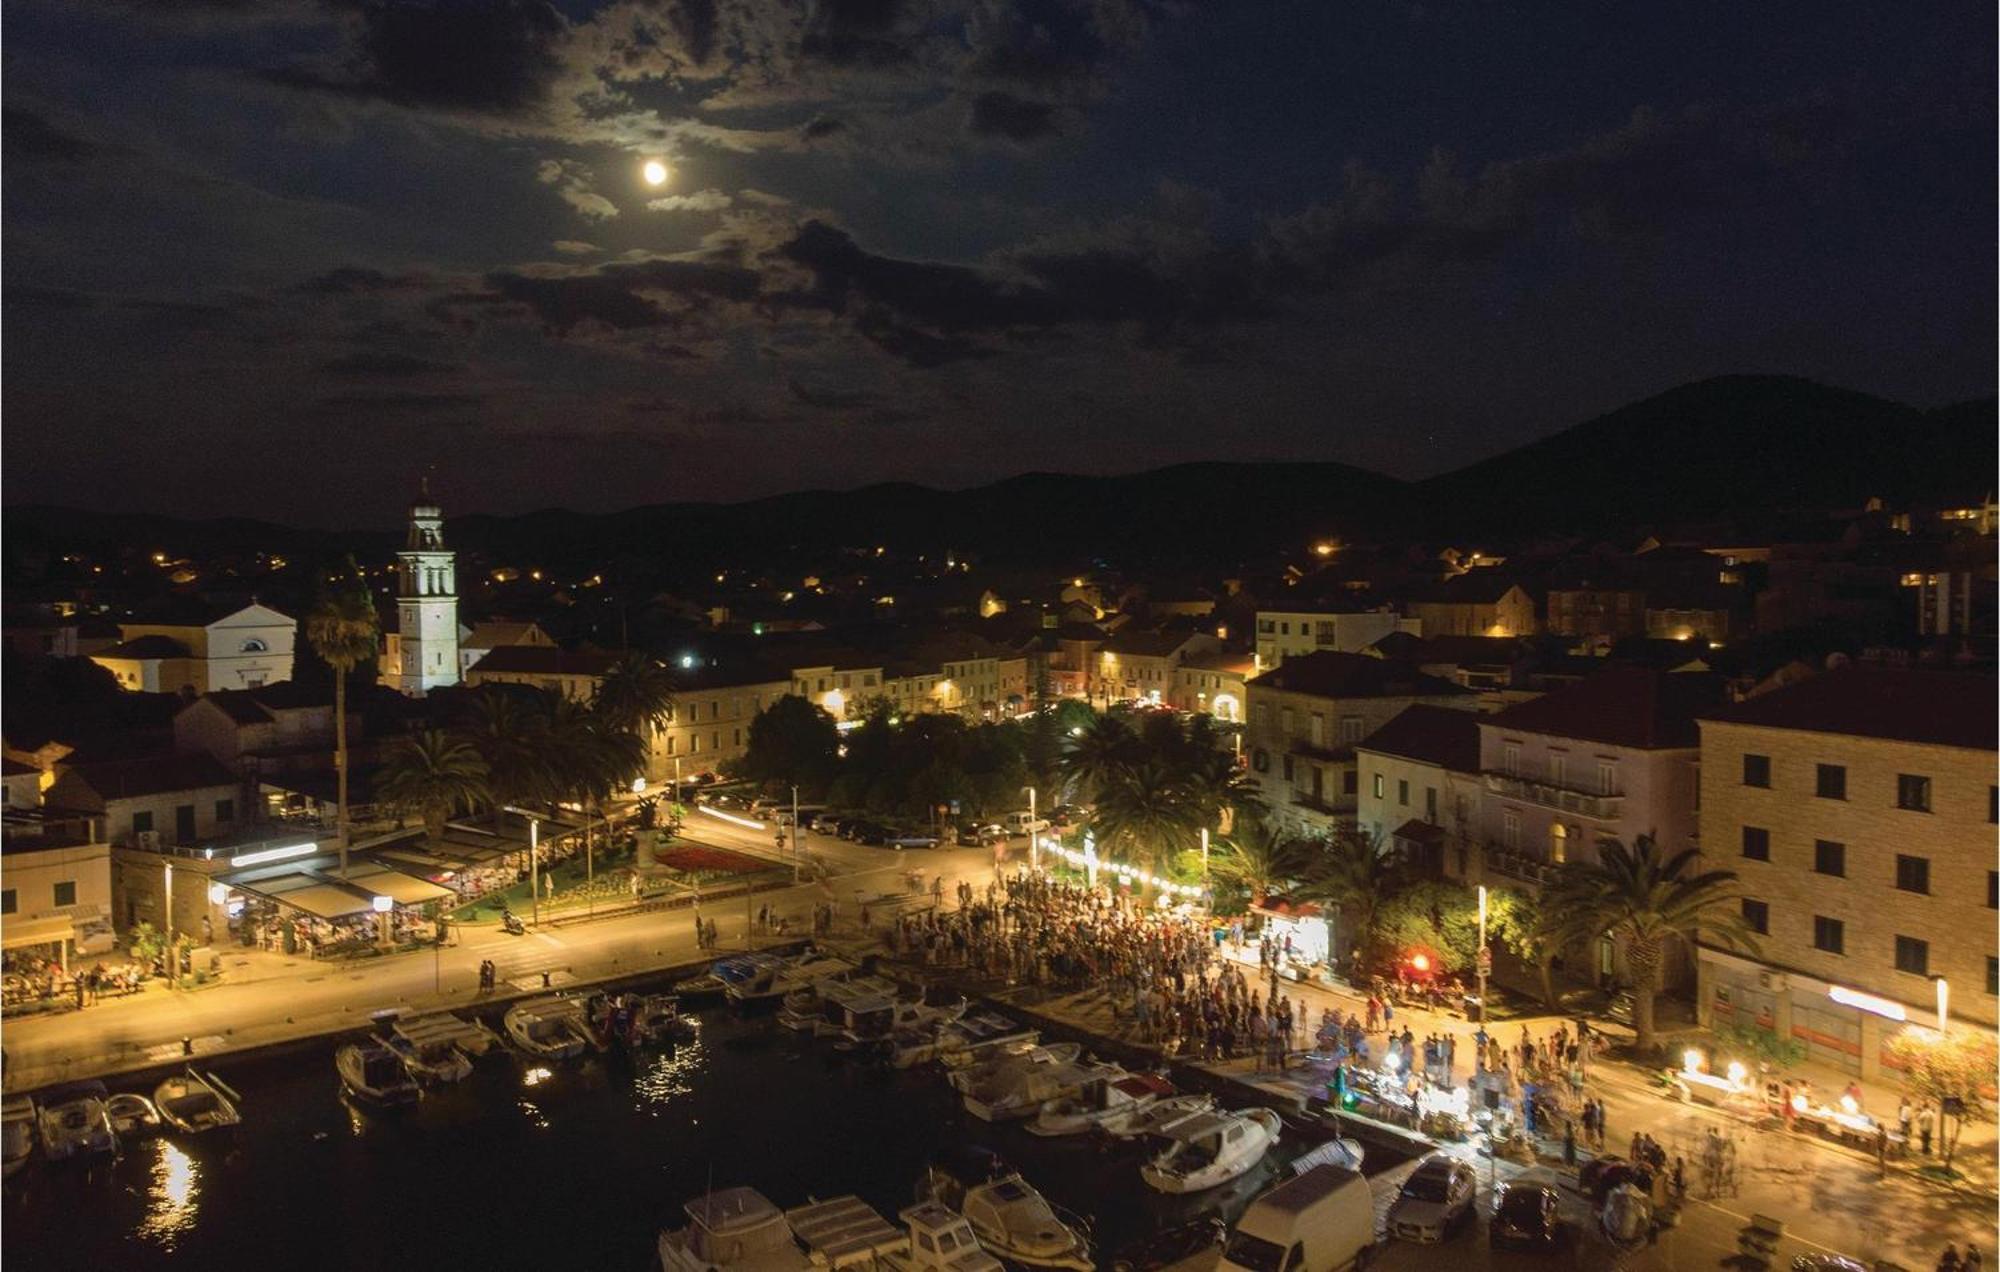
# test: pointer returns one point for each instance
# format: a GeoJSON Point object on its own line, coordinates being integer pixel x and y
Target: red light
{"type": "Point", "coordinates": [1421, 962]}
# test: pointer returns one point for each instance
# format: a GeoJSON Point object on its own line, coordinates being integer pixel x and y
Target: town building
{"type": "Point", "coordinates": [150, 801]}
{"type": "Point", "coordinates": [1139, 666]}
{"type": "Point", "coordinates": [1340, 625]}
{"type": "Point", "coordinates": [572, 673]}
{"type": "Point", "coordinates": [55, 881]}
{"type": "Point", "coordinates": [260, 731]}
{"type": "Point", "coordinates": [708, 725]}
{"type": "Point", "coordinates": [1481, 602]}
{"type": "Point", "coordinates": [1858, 809]}
{"type": "Point", "coordinates": [1420, 787]}
{"type": "Point", "coordinates": [191, 646]}
{"type": "Point", "coordinates": [1213, 684]}
{"type": "Point", "coordinates": [475, 642]}
{"type": "Point", "coordinates": [1307, 717]}
{"type": "Point", "coordinates": [427, 654]}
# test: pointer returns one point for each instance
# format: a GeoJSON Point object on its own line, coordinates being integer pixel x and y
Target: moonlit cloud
{"type": "Point", "coordinates": [700, 201]}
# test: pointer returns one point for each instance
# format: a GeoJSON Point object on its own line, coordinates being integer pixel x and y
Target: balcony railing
{"type": "Point", "coordinates": [1582, 803]}
{"type": "Point", "coordinates": [1519, 865]}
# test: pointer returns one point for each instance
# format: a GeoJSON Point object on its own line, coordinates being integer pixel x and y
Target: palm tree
{"type": "Point", "coordinates": [1642, 899]}
{"type": "Point", "coordinates": [435, 773]}
{"type": "Point", "coordinates": [343, 628]}
{"type": "Point", "coordinates": [1098, 756]}
{"type": "Point", "coordinates": [1145, 814]}
{"type": "Point", "coordinates": [1356, 874]}
{"type": "Point", "coordinates": [636, 695]}
{"type": "Point", "coordinates": [1261, 859]}
{"type": "Point", "coordinates": [507, 724]}
{"type": "Point", "coordinates": [1221, 788]}
{"type": "Point", "coordinates": [587, 758]}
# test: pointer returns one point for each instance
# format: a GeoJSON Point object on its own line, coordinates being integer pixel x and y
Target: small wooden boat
{"type": "Point", "coordinates": [193, 1103]}
{"type": "Point", "coordinates": [772, 984]}
{"type": "Point", "coordinates": [372, 1073]}
{"type": "Point", "coordinates": [713, 984]}
{"type": "Point", "coordinates": [132, 1116]}
{"type": "Point", "coordinates": [548, 1028]}
{"type": "Point", "coordinates": [1156, 1117]}
{"type": "Point", "coordinates": [1002, 1066]}
{"type": "Point", "coordinates": [17, 1133]}
{"type": "Point", "coordinates": [74, 1123]}
{"type": "Point", "coordinates": [1112, 1100]}
{"type": "Point", "coordinates": [652, 1019]}
{"type": "Point", "coordinates": [439, 1047]}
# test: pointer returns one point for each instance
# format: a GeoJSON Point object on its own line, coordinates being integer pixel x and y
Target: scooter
{"type": "Point", "coordinates": [511, 924]}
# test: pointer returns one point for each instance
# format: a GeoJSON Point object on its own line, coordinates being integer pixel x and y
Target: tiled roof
{"type": "Point", "coordinates": [1476, 587]}
{"type": "Point", "coordinates": [1620, 706]}
{"type": "Point", "coordinates": [1444, 736]}
{"type": "Point", "coordinates": [146, 647]}
{"type": "Point", "coordinates": [1146, 644]}
{"type": "Point", "coordinates": [545, 660]}
{"type": "Point", "coordinates": [150, 775]}
{"type": "Point", "coordinates": [1329, 674]}
{"type": "Point", "coordinates": [1945, 708]}
{"type": "Point", "coordinates": [14, 768]}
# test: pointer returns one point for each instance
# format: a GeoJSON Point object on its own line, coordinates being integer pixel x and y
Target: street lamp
{"type": "Point", "coordinates": [1204, 856]}
{"type": "Point", "coordinates": [1944, 1002]}
{"type": "Point", "coordinates": [1482, 959]}
{"type": "Point", "coordinates": [173, 960]}
{"type": "Point", "coordinates": [1034, 835]}
{"type": "Point", "coordinates": [534, 866]}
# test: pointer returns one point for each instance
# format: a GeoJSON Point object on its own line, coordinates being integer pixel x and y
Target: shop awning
{"type": "Point", "coordinates": [380, 881]}
{"type": "Point", "coordinates": [1420, 832]}
{"type": "Point", "coordinates": [1286, 908]}
{"type": "Point", "coordinates": [313, 896]}
{"type": "Point", "coordinates": [19, 933]}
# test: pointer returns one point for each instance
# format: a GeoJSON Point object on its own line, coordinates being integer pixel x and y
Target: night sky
{"type": "Point", "coordinates": [275, 257]}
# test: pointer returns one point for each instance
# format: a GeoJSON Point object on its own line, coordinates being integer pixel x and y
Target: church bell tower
{"type": "Point", "coordinates": [427, 602]}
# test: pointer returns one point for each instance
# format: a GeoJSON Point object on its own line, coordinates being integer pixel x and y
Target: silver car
{"type": "Point", "coordinates": [1436, 1198]}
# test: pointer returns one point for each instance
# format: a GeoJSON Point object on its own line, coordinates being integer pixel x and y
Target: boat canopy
{"type": "Point", "coordinates": [845, 1231]}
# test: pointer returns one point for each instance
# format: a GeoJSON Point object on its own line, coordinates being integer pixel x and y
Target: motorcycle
{"type": "Point", "coordinates": [511, 924]}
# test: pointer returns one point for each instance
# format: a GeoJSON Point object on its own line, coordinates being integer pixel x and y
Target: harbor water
{"type": "Point", "coordinates": [573, 1165]}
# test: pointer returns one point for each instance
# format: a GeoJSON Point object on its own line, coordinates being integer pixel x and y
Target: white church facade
{"type": "Point", "coordinates": [425, 644]}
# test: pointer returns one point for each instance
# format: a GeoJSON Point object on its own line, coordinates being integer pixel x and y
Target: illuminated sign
{"type": "Point", "coordinates": [1867, 1002]}
{"type": "Point", "coordinates": [263, 855]}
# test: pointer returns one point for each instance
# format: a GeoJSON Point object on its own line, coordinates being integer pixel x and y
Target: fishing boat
{"type": "Point", "coordinates": [844, 1232]}
{"type": "Point", "coordinates": [1012, 1221]}
{"type": "Point", "coordinates": [771, 984]}
{"type": "Point", "coordinates": [74, 1123]}
{"type": "Point", "coordinates": [132, 1116]}
{"type": "Point", "coordinates": [373, 1073]}
{"type": "Point", "coordinates": [654, 1018]}
{"type": "Point", "coordinates": [856, 1012]}
{"type": "Point", "coordinates": [732, 1230]}
{"type": "Point", "coordinates": [1021, 1092]}
{"type": "Point", "coordinates": [439, 1047]}
{"type": "Point", "coordinates": [1110, 1101]}
{"type": "Point", "coordinates": [17, 1133]}
{"type": "Point", "coordinates": [936, 1239]}
{"type": "Point", "coordinates": [193, 1103]}
{"type": "Point", "coordinates": [982, 1075]}
{"type": "Point", "coordinates": [1156, 1117]}
{"type": "Point", "coordinates": [714, 983]}
{"type": "Point", "coordinates": [547, 1028]}
{"type": "Point", "coordinates": [1211, 1149]}
{"type": "Point", "coordinates": [973, 1038]}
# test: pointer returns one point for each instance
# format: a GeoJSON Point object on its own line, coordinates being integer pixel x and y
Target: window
{"type": "Point", "coordinates": [66, 892]}
{"type": "Point", "coordinates": [1607, 778]}
{"type": "Point", "coordinates": [1756, 843]}
{"type": "Point", "coordinates": [1558, 769]}
{"type": "Point", "coordinates": [1830, 781]}
{"type": "Point", "coordinates": [1431, 804]}
{"type": "Point", "coordinates": [254, 646]}
{"type": "Point", "coordinates": [1288, 768]}
{"type": "Point", "coordinates": [1913, 792]}
{"type": "Point", "coordinates": [1829, 858]}
{"type": "Point", "coordinates": [1993, 889]}
{"type": "Point", "coordinates": [7, 901]}
{"type": "Point", "coordinates": [1375, 786]}
{"type": "Point", "coordinates": [1348, 779]}
{"type": "Point", "coordinates": [1992, 975]}
{"type": "Point", "coordinates": [1756, 770]}
{"type": "Point", "coordinates": [1351, 730]}
{"type": "Point", "coordinates": [1757, 916]}
{"type": "Point", "coordinates": [1913, 956]}
{"type": "Point", "coordinates": [1318, 729]}
{"type": "Point", "coordinates": [1913, 874]}
{"type": "Point", "coordinates": [1993, 804]}
{"type": "Point", "coordinates": [225, 810]}
{"type": "Point", "coordinates": [142, 822]}
{"type": "Point", "coordinates": [1510, 759]}
{"type": "Point", "coordinates": [1510, 830]}
{"type": "Point", "coordinates": [1829, 935]}
{"type": "Point", "coordinates": [1403, 792]}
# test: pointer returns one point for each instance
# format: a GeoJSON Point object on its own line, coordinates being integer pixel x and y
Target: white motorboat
{"type": "Point", "coordinates": [74, 1123]}
{"type": "Point", "coordinates": [192, 1103]}
{"type": "Point", "coordinates": [982, 1075]}
{"type": "Point", "coordinates": [1111, 1101]}
{"type": "Point", "coordinates": [1156, 1117]}
{"type": "Point", "coordinates": [843, 1232]}
{"type": "Point", "coordinates": [733, 1228]}
{"type": "Point", "coordinates": [439, 1047]}
{"type": "Point", "coordinates": [373, 1073]}
{"type": "Point", "coordinates": [1012, 1221]}
{"type": "Point", "coordinates": [1344, 1153]}
{"type": "Point", "coordinates": [132, 1116]}
{"type": "Point", "coordinates": [17, 1133]}
{"type": "Point", "coordinates": [1020, 1093]}
{"type": "Point", "coordinates": [938, 1240]}
{"type": "Point", "coordinates": [1211, 1149]}
{"type": "Point", "coordinates": [971, 1039]}
{"type": "Point", "coordinates": [655, 1018]}
{"type": "Point", "coordinates": [723, 973]}
{"type": "Point", "coordinates": [771, 984]}
{"type": "Point", "coordinates": [547, 1028]}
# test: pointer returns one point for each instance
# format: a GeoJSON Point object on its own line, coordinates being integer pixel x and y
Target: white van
{"type": "Point", "coordinates": [1323, 1221]}
{"type": "Point", "coordinates": [1025, 823]}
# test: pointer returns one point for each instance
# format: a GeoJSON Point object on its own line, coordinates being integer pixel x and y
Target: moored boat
{"type": "Point", "coordinates": [547, 1028]}
{"type": "Point", "coordinates": [1210, 1149]}
{"type": "Point", "coordinates": [1156, 1117]}
{"type": "Point", "coordinates": [439, 1047]}
{"type": "Point", "coordinates": [711, 985]}
{"type": "Point", "coordinates": [1012, 1220]}
{"type": "Point", "coordinates": [132, 1116]}
{"type": "Point", "coordinates": [982, 1075]}
{"type": "Point", "coordinates": [655, 1018]}
{"type": "Point", "coordinates": [937, 1239]}
{"type": "Point", "coordinates": [193, 1103]}
{"type": "Point", "coordinates": [843, 1232]}
{"type": "Point", "coordinates": [17, 1133]}
{"type": "Point", "coordinates": [373, 1073]}
{"type": "Point", "coordinates": [74, 1124]}
{"type": "Point", "coordinates": [973, 1038]}
{"type": "Point", "coordinates": [772, 984]}
{"type": "Point", "coordinates": [1111, 1100]}
{"type": "Point", "coordinates": [731, 1229]}
{"type": "Point", "coordinates": [1020, 1093]}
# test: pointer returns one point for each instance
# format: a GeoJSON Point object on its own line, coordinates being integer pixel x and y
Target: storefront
{"type": "Point", "coordinates": [1298, 927]}
{"type": "Point", "coordinates": [1838, 1025]}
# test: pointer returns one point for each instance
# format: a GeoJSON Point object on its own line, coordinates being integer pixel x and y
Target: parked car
{"type": "Point", "coordinates": [830, 823]}
{"type": "Point", "coordinates": [901, 838]}
{"type": "Point", "coordinates": [1063, 816]}
{"type": "Point", "coordinates": [981, 834]}
{"type": "Point", "coordinates": [1524, 1214]}
{"type": "Point", "coordinates": [1601, 1174]}
{"type": "Point", "coordinates": [1436, 1198]}
{"type": "Point", "coordinates": [1024, 823]}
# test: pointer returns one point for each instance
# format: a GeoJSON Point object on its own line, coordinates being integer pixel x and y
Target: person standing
{"type": "Point", "coordinates": [1926, 1124]}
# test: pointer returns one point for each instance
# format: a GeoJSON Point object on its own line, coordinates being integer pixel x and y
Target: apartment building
{"type": "Point", "coordinates": [1139, 666]}
{"type": "Point", "coordinates": [1341, 626]}
{"type": "Point", "coordinates": [708, 725]}
{"type": "Point", "coordinates": [1420, 788]}
{"type": "Point", "coordinates": [1858, 808]}
{"type": "Point", "coordinates": [1213, 684]}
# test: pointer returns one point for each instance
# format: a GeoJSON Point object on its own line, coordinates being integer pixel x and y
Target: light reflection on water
{"type": "Point", "coordinates": [171, 1201]}
{"type": "Point", "coordinates": [670, 1076]}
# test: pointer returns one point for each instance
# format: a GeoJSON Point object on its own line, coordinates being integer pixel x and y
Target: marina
{"type": "Point", "coordinates": [588, 1158]}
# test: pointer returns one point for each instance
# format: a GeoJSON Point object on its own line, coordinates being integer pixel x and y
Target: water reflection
{"type": "Point", "coordinates": [669, 1077]}
{"type": "Point", "coordinates": [171, 1200]}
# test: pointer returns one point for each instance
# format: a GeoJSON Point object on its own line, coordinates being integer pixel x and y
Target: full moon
{"type": "Point", "coordinates": [655, 172]}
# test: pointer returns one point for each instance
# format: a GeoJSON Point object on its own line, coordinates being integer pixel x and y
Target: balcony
{"type": "Point", "coordinates": [1583, 804]}
{"type": "Point", "coordinates": [1518, 865]}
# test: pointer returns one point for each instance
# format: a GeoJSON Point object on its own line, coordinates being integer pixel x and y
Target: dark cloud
{"type": "Point", "coordinates": [856, 33]}
{"type": "Point", "coordinates": [26, 137]}
{"type": "Point", "coordinates": [400, 403]}
{"type": "Point", "coordinates": [355, 279]}
{"type": "Point", "coordinates": [997, 114]}
{"type": "Point", "coordinates": [384, 365]}
{"type": "Point", "coordinates": [832, 399]}
{"type": "Point", "coordinates": [820, 126]}
{"type": "Point", "coordinates": [22, 297]}
{"type": "Point", "coordinates": [494, 56]}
